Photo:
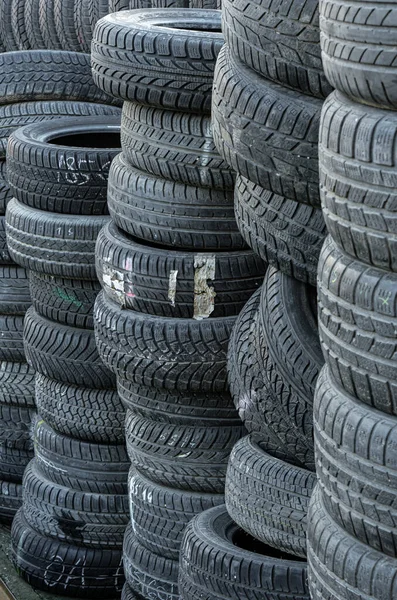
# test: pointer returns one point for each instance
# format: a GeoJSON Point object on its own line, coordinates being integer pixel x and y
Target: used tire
{"type": "Point", "coordinates": [160, 352]}
{"type": "Point", "coordinates": [80, 412]}
{"type": "Point", "coordinates": [158, 57]}
{"type": "Point", "coordinates": [79, 152]}
{"type": "Point", "coordinates": [65, 25]}
{"type": "Point", "coordinates": [47, 25]}
{"type": "Point", "coordinates": [266, 132]}
{"type": "Point", "coordinates": [187, 457]}
{"type": "Point", "coordinates": [341, 567]}
{"type": "Point", "coordinates": [14, 291]}
{"type": "Point", "coordinates": [358, 55]}
{"type": "Point", "coordinates": [18, 24]}
{"type": "Point", "coordinates": [52, 243]}
{"type": "Point", "coordinates": [358, 171]}
{"type": "Point", "coordinates": [64, 353]}
{"type": "Point", "coordinates": [280, 42]}
{"type": "Point", "coordinates": [268, 498]}
{"type": "Point", "coordinates": [5, 258]}
{"type": "Point", "coordinates": [175, 283]}
{"type": "Point", "coordinates": [357, 325]}
{"type": "Point", "coordinates": [160, 514]}
{"type": "Point", "coordinates": [170, 213]}
{"type": "Point", "coordinates": [175, 145]}
{"type": "Point", "coordinates": [286, 234]}
{"type": "Point", "coordinates": [32, 24]}
{"type": "Point", "coordinates": [5, 192]}
{"type": "Point", "coordinates": [17, 384]}
{"type": "Point", "coordinates": [356, 466]}
{"type": "Point", "coordinates": [16, 450]}
{"type": "Point", "coordinates": [66, 301]}
{"type": "Point", "coordinates": [83, 572]}
{"type": "Point", "coordinates": [10, 501]}
{"type": "Point", "coordinates": [7, 33]}
{"type": "Point", "coordinates": [220, 562]}
{"type": "Point", "coordinates": [32, 75]}
{"type": "Point", "coordinates": [11, 338]}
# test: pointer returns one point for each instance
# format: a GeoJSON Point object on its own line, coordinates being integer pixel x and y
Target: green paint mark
{"type": "Point", "coordinates": [69, 297]}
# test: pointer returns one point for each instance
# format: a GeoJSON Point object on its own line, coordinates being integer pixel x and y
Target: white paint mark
{"type": "Point", "coordinates": [204, 294]}
{"type": "Point", "coordinates": [172, 287]}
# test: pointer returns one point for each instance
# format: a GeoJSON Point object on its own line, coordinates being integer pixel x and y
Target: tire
{"type": "Point", "coordinates": [5, 258]}
{"type": "Point", "coordinates": [14, 116]}
{"type": "Point", "coordinates": [268, 498]}
{"type": "Point", "coordinates": [186, 457]}
{"type": "Point", "coordinates": [81, 466]}
{"type": "Point", "coordinates": [47, 25]}
{"type": "Point", "coordinates": [82, 25]}
{"type": "Point", "coordinates": [286, 234]}
{"type": "Point", "coordinates": [11, 339]}
{"type": "Point", "coordinates": [280, 42]}
{"type": "Point", "coordinates": [357, 173]}
{"type": "Point", "coordinates": [65, 301]}
{"type": "Point", "coordinates": [265, 132]}
{"type": "Point", "coordinates": [97, 9]}
{"type": "Point", "coordinates": [128, 594]}
{"type": "Point", "coordinates": [174, 283]}
{"type": "Point", "coordinates": [5, 192]}
{"type": "Point", "coordinates": [160, 352]}
{"type": "Point", "coordinates": [358, 57]}
{"type": "Point", "coordinates": [61, 568]}
{"type": "Point", "coordinates": [176, 407]}
{"type": "Point", "coordinates": [33, 75]}
{"type": "Point", "coordinates": [52, 243]}
{"type": "Point", "coordinates": [149, 575]}
{"type": "Point", "coordinates": [150, 57]}
{"type": "Point", "coordinates": [16, 450]}
{"type": "Point", "coordinates": [14, 291]}
{"type": "Point", "coordinates": [170, 213]}
{"type": "Point", "coordinates": [357, 324]}
{"type": "Point", "coordinates": [10, 501]}
{"type": "Point", "coordinates": [16, 420]}
{"type": "Point", "coordinates": [17, 384]}
{"type": "Point", "coordinates": [219, 561]}
{"type": "Point", "coordinates": [78, 518]}
{"type": "Point", "coordinates": [79, 152]}
{"type": "Point", "coordinates": [356, 466]}
{"type": "Point", "coordinates": [64, 20]}
{"type": "Point", "coordinates": [292, 360]}
{"type": "Point", "coordinates": [159, 514]}
{"type": "Point", "coordinates": [18, 25]}
{"type": "Point", "coordinates": [32, 24]}
{"type": "Point", "coordinates": [116, 5]}
{"type": "Point", "coordinates": [174, 145]}
{"type": "Point", "coordinates": [80, 412]}
{"type": "Point", "coordinates": [7, 33]}
{"type": "Point", "coordinates": [341, 567]}
{"type": "Point", "coordinates": [64, 353]}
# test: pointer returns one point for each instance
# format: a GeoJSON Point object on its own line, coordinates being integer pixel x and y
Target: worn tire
{"type": "Point", "coordinates": [286, 234]}
{"type": "Point", "coordinates": [5, 192]}
{"type": "Point", "coordinates": [174, 283]}
{"type": "Point", "coordinates": [53, 243]}
{"type": "Point", "coordinates": [6, 30]}
{"type": "Point", "coordinates": [82, 466]}
{"type": "Point", "coordinates": [169, 213]}
{"type": "Point", "coordinates": [66, 301]}
{"type": "Point", "coordinates": [16, 450]}
{"type": "Point", "coordinates": [358, 171]}
{"type": "Point", "coordinates": [219, 562]}
{"type": "Point", "coordinates": [152, 57]}
{"type": "Point", "coordinates": [11, 338]}
{"type": "Point", "coordinates": [268, 498]}
{"type": "Point", "coordinates": [80, 412]}
{"type": "Point", "coordinates": [158, 451]}
{"type": "Point", "coordinates": [160, 514]}
{"type": "Point", "coordinates": [14, 291]}
{"type": "Point", "coordinates": [64, 353]}
{"type": "Point", "coordinates": [32, 24]}
{"type": "Point", "coordinates": [82, 572]}
{"type": "Point", "coordinates": [160, 352]}
{"type": "Point", "coordinates": [17, 384]}
{"type": "Point", "coordinates": [5, 257]}
{"type": "Point", "coordinates": [10, 501]}
{"type": "Point", "coordinates": [265, 132]}
{"type": "Point", "coordinates": [341, 567]}
{"type": "Point", "coordinates": [64, 18]}
{"type": "Point", "coordinates": [175, 145]}
{"type": "Point", "coordinates": [356, 466]}
{"type": "Point", "coordinates": [357, 325]}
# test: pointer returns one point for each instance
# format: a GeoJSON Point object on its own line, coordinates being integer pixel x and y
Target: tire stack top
{"type": "Point", "coordinates": [352, 537]}
{"type": "Point", "coordinates": [175, 272]}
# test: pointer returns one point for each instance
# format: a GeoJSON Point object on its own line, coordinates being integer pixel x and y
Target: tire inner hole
{"type": "Point", "coordinates": [98, 139]}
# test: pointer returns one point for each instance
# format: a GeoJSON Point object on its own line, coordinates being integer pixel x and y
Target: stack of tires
{"type": "Point", "coordinates": [175, 272]}
{"type": "Point", "coordinates": [268, 93]}
{"type": "Point", "coordinates": [68, 535]}
{"type": "Point", "coordinates": [352, 536]}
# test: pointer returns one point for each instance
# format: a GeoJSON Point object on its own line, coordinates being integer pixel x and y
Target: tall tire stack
{"type": "Point", "coordinates": [175, 272]}
{"type": "Point", "coordinates": [269, 88]}
{"type": "Point", "coordinates": [352, 549]}
{"type": "Point", "coordinates": [67, 537]}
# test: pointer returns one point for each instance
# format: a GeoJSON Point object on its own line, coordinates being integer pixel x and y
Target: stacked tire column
{"type": "Point", "coordinates": [268, 93]}
{"type": "Point", "coordinates": [68, 535]}
{"type": "Point", "coordinates": [174, 272]}
{"type": "Point", "coordinates": [352, 537]}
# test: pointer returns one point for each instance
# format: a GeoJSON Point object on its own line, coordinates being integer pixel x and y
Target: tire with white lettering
{"type": "Point", "coordinates": [175, 283]}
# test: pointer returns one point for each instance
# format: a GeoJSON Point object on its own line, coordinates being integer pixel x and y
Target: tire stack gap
{"type": "Point", "coordinates": [175, 272]}
{"type": "Point", "coordinates": [352, 536]}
